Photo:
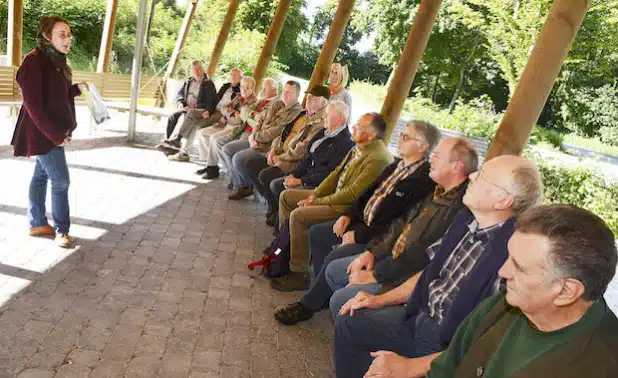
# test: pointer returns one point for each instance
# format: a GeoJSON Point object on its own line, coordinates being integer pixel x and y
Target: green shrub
{"type": "Point", "coordinates": [586, 110]}
{"type": "Point", "coordinates": [551, 137]}
{"type": "Point", "coordinates": [581, 186]}
{"type": "Point", "coordinates": [609, 134]}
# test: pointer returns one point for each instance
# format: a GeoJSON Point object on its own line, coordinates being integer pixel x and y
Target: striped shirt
{"type": "Point", "coordinates": [443, 290]}
{"type": "Point", "coordinates": [386, 187]}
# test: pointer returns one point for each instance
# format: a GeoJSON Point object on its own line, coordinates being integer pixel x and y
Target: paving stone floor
{"type": "Point", "coordinates": [157, 284]}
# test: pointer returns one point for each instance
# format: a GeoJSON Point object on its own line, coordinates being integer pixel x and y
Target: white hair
{"type": "Point", "coordinates": [273, 83]}
{"type": "Point", "coordinates": [341, 108]}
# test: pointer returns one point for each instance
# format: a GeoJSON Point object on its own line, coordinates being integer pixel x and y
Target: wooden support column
{"type": "Point", "coordinates": [180, 42]}
{"type": "Point", "coordinates": [408, 63]}
{"type": "Point", "coordinates": [107, 39]}
{"type": "Point", "coordinates": [331, 44]}
{"type": "Point", "coordinates": [551, 48]}
{"type": "Point", "coordinates": [222, 38]}
{"type": "Point", "coordinates": [15, 31]}
{"type": "Point", "coordinates": [271, 42]}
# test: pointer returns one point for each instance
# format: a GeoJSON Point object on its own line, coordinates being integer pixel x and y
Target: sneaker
{"type": "Point", "coordinates": [293, 281]}
{"type": "Point", "coordinates": [294, 313]}
{"type": "Point", "coordinates": [240, 194]}
{"type": "Point", "coordinates": [63, 241]}
{"type": "Point", "coordinates": [41, 231]}
{"type": "Point", "coordinates": [180, 156]}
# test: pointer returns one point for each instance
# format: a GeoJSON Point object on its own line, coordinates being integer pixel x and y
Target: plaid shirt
{"type": "Point", "coordinates": [399, 174]}
{"type": "Point", "coordinates": [460, 262]}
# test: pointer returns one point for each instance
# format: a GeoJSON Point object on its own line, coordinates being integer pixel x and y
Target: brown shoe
{"type": "Point", "coordinates": [240, 194]}
{"type": "Point", "coordinates": [41, 231]}
{"type": "Point", "coordinates": [293, 281]}
{"type": "Point", "coordinates": [63, 240]}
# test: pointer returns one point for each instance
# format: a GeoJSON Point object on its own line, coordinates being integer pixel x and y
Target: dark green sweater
{"type": "Point", "coordinates": [497, 341]}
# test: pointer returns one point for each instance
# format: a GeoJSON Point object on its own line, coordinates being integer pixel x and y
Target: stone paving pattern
{"type": "Point", "coordinates": [164, 293]}
{"type": "Point", "coordinates": [157, 284]}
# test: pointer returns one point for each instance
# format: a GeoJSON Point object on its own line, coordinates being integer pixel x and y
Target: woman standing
{"type": "Point", "coordinates": [337, 81]}
{"type": "Point", "coordinates": [45, 124]}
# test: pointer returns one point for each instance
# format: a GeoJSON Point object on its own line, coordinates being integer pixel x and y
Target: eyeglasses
{"type": "Point", "coordinates": [479, 175]}
{"type": "Point", "coordinates": [63, 36]}
{"type": "Point", "coordinates": [405, 137]}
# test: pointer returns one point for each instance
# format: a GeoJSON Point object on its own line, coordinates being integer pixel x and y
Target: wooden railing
{"type": "Point", "coordinates": [112, 87]}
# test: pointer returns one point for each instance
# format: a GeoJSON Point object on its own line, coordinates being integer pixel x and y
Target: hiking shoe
{"type": "Point", "coordinates": [201, 171]}
{"type": "Point", "coordinates": [294, 313]}
{"type": "Point", "coordinates": [293, 281]}
{"type": "Point", "coordinates": [41, 231]}
{"type": "Point", "coordinates": [178, 157]}
{"type": "Point", "coordinates": [271, 220]}
{"type": "Point", "coordinates": [240, 194]}
{"type": "Point", "coordinates": [63, 241]}
{"type": "Point", "coordinates": [212, 172]}
{"type": "Point", "coordinates": [171, 143]}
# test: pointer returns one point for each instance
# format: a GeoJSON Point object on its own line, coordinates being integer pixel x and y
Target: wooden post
{"type": "Point", "coordinates": [222, 38]}
{"type": "Point", "coordinates": [180, 41]}
{"type": "Point", "coordinates": [331, 44]}
{"type": "Point", "coordinates": [137, 68]}
{"type": "Point", "coordinates": [551, 48]}
{"type": "Point", "coordinates": [271, 42]}
{"type": "Point", "coordinates": [409, 61]}
{"type": "Point", "coordinates": [15, 31]}
{"type": "Point", "coordinates": [107, 39]}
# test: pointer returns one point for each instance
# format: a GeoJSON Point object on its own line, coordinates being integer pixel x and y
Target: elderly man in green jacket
{"type": "Point", "coordinates": [552, 322]}
{"type": "Point", "coordinates": [304, 208]}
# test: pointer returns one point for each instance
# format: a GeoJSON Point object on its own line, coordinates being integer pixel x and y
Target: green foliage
{"type": "Point", "coordinates": [580, 186]}
{"type": "Point", "coordinates": [551, 137]}
{"type": "Point", "coordinates": [609, 135]}
{"type": "Point", "coordinates": [594, 144]}
{"type": "Point", "coordinates": [585, 110]}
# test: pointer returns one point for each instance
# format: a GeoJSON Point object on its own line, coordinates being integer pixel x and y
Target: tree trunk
{"type": "Point", "coordinates": [462, 76]}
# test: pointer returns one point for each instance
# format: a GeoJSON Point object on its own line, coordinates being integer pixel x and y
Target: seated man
{"type": "Point", "coordinates": [193, 94]}
{"type": "Point", "coordinates": [240, 109]}
{"type": "Point", "coordinates": [348, 181]}
{"type": "Point", "coordinates": [391, 259]}
{"type": "Point", "coordinates": [326, 150]}
{"type": "Point", "coordinates": [289, 147]}
{"type": "Point", "coordinates": [463, 272]}
{"type": "Point", "coordinates": [427, 214]}
{"type": "Point", "coordinates": [238, 137]}
{"type": "Point", "coordinates": [262, 135]}
{"type": "Point", "coordinates": [197, 119]}
{"type": "Point", "coordinates": [553, 320]}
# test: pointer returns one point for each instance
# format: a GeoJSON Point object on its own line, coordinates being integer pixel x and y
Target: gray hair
{"type": "Point", "coordinates": [249, 79]}
{"type": "Point", "coordinates": [274, 83]}
{"type": "Point", "coordinates": [527, 187]}
{"type": "Point", "coordinates": [429, 132]}
{"type": "Point", "coordinates": [465, 151]}
{"type": "Point", "coordinates": [341, 108]}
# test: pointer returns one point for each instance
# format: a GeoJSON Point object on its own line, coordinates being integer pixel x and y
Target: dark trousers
{"type": "Point", "coordinates": [265, 178]}
{"type": "Point", "coordinates": [323, 251]}
{"type": "Point", "coordinates": [382, 329]}
{"type": "Point", "coordinates": [171, 123]}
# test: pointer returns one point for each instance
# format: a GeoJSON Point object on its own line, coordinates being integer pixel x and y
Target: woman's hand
{"type": "Point", "coordinates": [83, 86]}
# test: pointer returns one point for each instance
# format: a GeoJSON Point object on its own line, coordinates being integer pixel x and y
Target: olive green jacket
{"type": "Point", "coordinates": [363, 170]}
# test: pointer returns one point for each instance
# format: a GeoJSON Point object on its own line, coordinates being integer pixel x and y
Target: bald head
{"type": "Point", "coordinates": [509, 184]}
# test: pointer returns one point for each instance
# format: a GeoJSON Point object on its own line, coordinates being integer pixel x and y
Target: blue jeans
{"type": "Point", "coordinates": [228, 152]}
{"type": "Point", "coordinates": [246, 162]}
{"type": "Point", "coordinates": [53, 167]}
{"type": "Point", "coordinates": [382, 329]}
{"type": "Point", "coordinates": [337, 278]}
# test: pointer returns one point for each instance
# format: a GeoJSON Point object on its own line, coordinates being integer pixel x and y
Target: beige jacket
{"type": "Point", "coordinates": [245, 106]}
{"type": "Point", "coordinates": [299, 144]}
{"type": "Point", "coordinates": [269, 127]}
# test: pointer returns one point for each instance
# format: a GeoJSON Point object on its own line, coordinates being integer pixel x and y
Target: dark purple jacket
{"type": "Point", "coordinates": [48, 112]}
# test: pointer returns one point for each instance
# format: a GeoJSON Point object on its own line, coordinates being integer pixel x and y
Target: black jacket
{"type": "Point", "coordinates": [224, 88]}
{"type": "Point", "coordinates": [313, 169]}
{"type": "Point", "coordinates": [207, 98]}
{"type": "Point", "coordinates": [407, 193]}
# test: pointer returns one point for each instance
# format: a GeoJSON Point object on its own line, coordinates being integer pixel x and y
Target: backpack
{"type": "Point", "coordinates": [276, 261]}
